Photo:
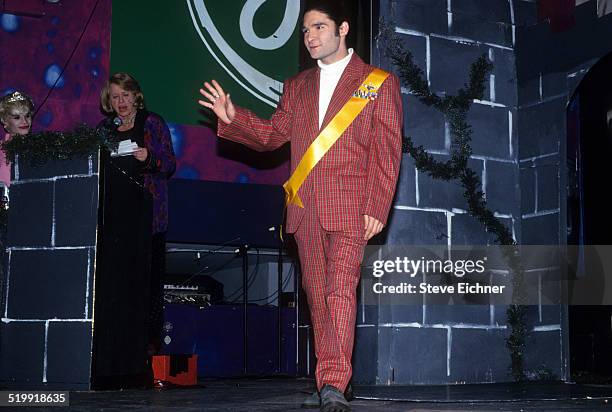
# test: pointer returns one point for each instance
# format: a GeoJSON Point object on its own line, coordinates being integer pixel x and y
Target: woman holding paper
{"type": "Point", "coordinates": [153, 160]}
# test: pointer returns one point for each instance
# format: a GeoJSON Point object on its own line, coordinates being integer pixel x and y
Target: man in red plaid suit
{"type": "Point", "coordinates": [346, 196]}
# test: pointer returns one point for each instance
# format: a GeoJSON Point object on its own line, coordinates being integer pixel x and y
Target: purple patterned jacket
{"type": "Point", "coordinates": [151, 131]}
{"type": "Point", "coordinates": [159, 165]}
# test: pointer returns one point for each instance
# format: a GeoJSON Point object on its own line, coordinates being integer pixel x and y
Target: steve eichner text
{"type": "Point", "coordinates": [411, 267]}
{"type": "Point", "coordinates": [426, 288]}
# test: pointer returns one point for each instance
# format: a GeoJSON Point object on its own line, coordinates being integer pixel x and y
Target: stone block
{"type": "Point", "coordinates": [540, 230]}
{"type": "Point", "coordinates": [438, 193]}
{"type": "Point", "coordinates": [415, 227]}
{"type": "Point", "coordinates": [69, 352]}
{"type": "Point", "coordinates": [490, 363]}
{"type": "Point", "coordinates": [405, 194]}
{"type": "Point", "coordinates": [504, 69]}
{"type": "Point", "coordinates": [554, 84]}
{"type": "Point", "coordinates": [475, 28]}
{"type": "Point", "coordinates": [541, 127]}
{"type": "Point", "coordinates": [459, 313]}
{"type": "Point", "coordinates": [543, 353]}
{"type": "Point", "coordinates": [525, 13]}
{"type": "Point", "coordinates": [489, 10]}
{"type": "Point", "coordinates": [503, 193]}
{"type": "Point", "coordinates": [466, 230]}
{"type": "Point", "coordinates": [490, 131]}
{"type": "Point", "coordinates": [548, 187]}
{"type": "Point", "coordinates": [418, 355]}
{"type": "Point", "coordinates": [47, 284]}
{"type": "Point", "coordinates": [451, 62]}
{"type": "Point", "coordinates": [427, 16]}
{"type": "Point", "coordinates": [528, 188]}
{"type": "Point", "coordinates": [30, 218]}
{"type": "Point", "coordinates": [76, 211]}
{"type": "Point", "coordinates": [365, 361]}
{"type": "Point", "coordinates": [22, 355]}
{"type": "Point", "coordinates": [424, 124]}
{"type": "Point", "coordinates": [529, 91]}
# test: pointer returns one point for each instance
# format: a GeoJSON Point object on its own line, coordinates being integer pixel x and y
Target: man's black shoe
{"type": "Point", "coordinates": [332, 400]}
{"type": "Point", "coordinates": [348, 392]}
{"type": "Point", "coordinates": [314, 400]}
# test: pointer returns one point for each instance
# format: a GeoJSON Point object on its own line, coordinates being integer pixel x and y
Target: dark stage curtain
{"type": "Point", "coordinates": [560, 13]}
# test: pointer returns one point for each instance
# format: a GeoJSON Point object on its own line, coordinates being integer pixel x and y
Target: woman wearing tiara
{"type": "Point", "coordinates": [16, 116]}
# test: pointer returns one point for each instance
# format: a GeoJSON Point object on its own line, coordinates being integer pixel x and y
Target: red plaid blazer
{"type": "Point", "coordinates": [359, 173]}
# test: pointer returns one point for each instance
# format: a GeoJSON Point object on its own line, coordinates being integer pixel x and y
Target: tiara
{"type": "Point", "coordinates": [17, 97]}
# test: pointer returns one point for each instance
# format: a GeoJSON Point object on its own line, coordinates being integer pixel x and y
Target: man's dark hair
{"type": "Point", "coordinates": [335, 10]}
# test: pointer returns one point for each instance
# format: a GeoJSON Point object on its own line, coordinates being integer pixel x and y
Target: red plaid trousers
{"type": "Point", "coordinates": [330, 274]}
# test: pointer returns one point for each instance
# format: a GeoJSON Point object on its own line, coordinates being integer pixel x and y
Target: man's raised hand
{"type": "Point", "coordinates": [218, 101]}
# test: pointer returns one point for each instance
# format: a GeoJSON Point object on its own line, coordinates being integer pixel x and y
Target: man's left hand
{"type": "Point", "coordinates": [372, 227]}
{"type": "Point", "coordinates": [141, 154]}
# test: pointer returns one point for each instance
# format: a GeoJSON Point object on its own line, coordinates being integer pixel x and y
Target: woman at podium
{"type": "Point", "coordinates": [147, 146]}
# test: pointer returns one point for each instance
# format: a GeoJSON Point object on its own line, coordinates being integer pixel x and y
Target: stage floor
{"type": "Point", "coordinates": [284, 395]}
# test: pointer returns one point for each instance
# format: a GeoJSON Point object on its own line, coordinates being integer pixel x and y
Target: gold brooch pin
{"type": "Point", "coordinates": [367, 91]}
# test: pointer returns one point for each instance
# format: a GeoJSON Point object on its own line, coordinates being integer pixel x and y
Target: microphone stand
{"type": "Point", "coordinates": [242, 251]}
{"type": "Point", "coordinates": [279, 307]}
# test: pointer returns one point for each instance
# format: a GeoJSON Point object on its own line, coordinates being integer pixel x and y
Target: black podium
{"type": "Point", "coordinates": [75, 295]}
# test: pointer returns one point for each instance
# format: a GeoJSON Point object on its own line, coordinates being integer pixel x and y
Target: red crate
{"type": "Point", "coordinates": [176, 369]}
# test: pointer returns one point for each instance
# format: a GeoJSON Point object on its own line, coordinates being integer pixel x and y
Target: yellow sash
{"type": "Point", "coordinates": [332, 132]}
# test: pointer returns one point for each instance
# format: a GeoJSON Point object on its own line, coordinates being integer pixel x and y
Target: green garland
{"type": "Point", "coordinates": [516, 342]}
{"type": "Point", "coordinates": [39, 148]}
{"type": "Point", "coordinates": [455, 109]}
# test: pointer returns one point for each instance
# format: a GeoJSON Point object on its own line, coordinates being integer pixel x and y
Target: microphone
{"type": "Point", "coordinates": [242, 249]}
{"type": "Point", "coordinates": [109, 126]}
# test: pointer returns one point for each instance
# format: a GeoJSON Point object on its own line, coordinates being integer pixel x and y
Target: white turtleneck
{"type": "Point", "coordinates": [330, 76]}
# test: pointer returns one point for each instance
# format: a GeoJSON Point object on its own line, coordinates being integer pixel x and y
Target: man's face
{"type": "Point", "coordinates": [323, 40]}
